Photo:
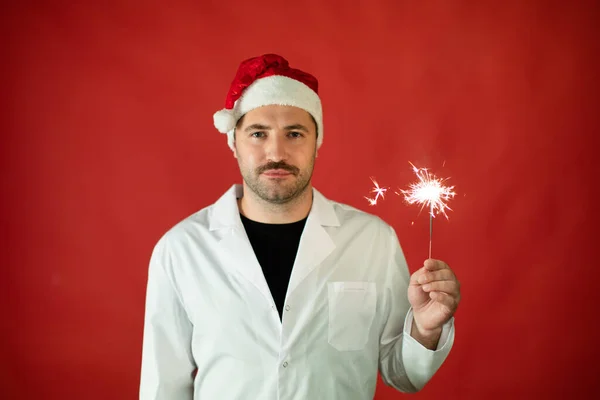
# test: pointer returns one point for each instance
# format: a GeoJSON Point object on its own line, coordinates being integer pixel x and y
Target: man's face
{"type": "Point", "coordinates": [276, 147]}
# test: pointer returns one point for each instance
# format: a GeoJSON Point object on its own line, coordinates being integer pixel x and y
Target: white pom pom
{"type": "Point", "coordinates": [224, 120]}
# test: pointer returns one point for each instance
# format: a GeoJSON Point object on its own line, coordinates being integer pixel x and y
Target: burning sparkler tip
{"type": "Point", "coordinates": [427, 191]}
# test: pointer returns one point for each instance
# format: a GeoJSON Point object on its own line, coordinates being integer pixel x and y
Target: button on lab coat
{"type": "Point", "coordinates": [212, 330]}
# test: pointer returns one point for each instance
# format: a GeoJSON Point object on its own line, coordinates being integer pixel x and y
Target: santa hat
{"type": "Point", "coordinates": [268, 80]}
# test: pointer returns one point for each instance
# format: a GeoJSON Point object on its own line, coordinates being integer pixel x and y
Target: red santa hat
{"type": "Point", "coordinates": [268, 80]}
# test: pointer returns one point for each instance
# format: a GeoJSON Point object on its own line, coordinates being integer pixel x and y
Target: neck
{"type": "Point", "coordinates": [257, 209]}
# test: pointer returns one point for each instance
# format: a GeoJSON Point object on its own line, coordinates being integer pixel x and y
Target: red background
{"type": "Point", "coordinates": [107, 140]}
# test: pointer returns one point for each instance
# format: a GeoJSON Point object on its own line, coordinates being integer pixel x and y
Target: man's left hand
{"type": "Point", "coordinates": [434, 294]}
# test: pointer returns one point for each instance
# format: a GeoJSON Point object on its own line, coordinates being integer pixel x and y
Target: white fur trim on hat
{"type": "Point", "coordinates": [224, 120]}
{"type": "Point", "coordinates": [275, 89]}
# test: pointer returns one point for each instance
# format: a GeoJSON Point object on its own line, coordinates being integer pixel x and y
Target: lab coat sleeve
{"type": "Point", "coordinates": [167, 361]}
{"type": "Point", "coordinates": [404, 363]}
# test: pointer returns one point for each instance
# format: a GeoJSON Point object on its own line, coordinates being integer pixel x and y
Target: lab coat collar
{"type": "Point", "coordinates": [226, 214]}
{"type": "Point", "coordinates": [315, 243]}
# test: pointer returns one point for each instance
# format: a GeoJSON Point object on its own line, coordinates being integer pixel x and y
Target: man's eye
{"type": "Point", "coordinates": [295, 134]}
{"type": "Point", "coordinates": [257, 134]}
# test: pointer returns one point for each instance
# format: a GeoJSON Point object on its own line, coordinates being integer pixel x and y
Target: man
{"type": "Point", "coordinates": [274, 291]}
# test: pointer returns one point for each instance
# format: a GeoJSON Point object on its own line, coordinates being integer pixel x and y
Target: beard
{"type": "Point", "coordinates": [274, 190]}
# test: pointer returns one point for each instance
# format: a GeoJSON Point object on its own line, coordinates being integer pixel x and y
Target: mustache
{"type": "Point", "coordinates": [278, 165]}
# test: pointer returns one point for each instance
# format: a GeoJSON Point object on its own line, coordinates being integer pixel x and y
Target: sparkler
{"type": "Point", "coordinates": [427, 191]}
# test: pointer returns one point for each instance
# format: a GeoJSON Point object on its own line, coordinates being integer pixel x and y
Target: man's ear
{"type": "Point", "coordinates": [234, 144]}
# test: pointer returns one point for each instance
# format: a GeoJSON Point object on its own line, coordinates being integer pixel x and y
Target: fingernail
{"type": "Point", "coordinates": [426, 287]}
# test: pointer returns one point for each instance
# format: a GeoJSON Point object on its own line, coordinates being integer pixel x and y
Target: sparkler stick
{"type": "Point", "coordinates": [430, 232]}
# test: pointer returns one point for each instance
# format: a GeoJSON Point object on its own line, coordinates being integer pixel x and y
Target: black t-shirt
{"type": "Point", "coordinates": [275, 247]}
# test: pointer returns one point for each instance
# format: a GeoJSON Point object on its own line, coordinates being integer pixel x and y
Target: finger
{"type": "Point", "coordinates": [448, 287]}
{"type": "Point", "coordinates": [440, 275]}
{"type": "Point", "coordinates": [433, 265]}
{"type": "Point", "coordinates": [446, 300]}
{"type": "Point", "coordinates": [414, 278]}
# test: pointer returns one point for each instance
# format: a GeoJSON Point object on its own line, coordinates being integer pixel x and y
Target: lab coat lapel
{"type": "Point", "coordinates": [315, 243]}
{"type": "Point", "coordinates": [234, 244]}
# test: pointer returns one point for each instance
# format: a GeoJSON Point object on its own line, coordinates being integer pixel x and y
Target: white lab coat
{"type": "Point", "coordinates": [208, 308]}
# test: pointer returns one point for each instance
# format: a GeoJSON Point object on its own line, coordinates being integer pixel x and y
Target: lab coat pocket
{"type": "Point", "coordinates": [352, 308]}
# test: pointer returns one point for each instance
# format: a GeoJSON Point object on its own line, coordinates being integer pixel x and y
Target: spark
{"type": "Point", "coordinates": [379, 192]}
{"type": "Point", "coordinates": [429, 191]}
{"type": "Point", "coordinates": [371, 201]}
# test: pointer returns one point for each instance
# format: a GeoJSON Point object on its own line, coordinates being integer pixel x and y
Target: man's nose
{"type": "Point", "coordinates": [276, 149]}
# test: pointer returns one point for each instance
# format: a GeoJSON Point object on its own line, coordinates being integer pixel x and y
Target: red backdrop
{"type": "Point", "coordinates": [107, 140]}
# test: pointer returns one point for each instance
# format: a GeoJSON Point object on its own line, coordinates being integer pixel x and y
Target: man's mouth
{"type": "Point", "coordinates": [277, 173]}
